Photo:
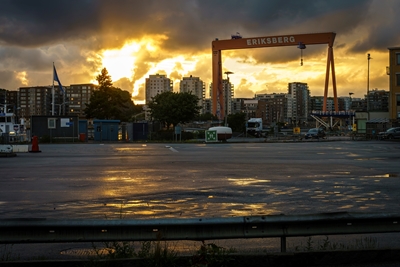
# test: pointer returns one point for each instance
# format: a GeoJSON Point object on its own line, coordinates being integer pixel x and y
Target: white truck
{"type": "Point", "coordinates": [254, 127]}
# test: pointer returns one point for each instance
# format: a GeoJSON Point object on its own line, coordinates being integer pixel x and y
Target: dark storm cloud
{"type": "Point", "coordinates": [71, 33]}
{"type": "Point", "coordinates": [186, 23]}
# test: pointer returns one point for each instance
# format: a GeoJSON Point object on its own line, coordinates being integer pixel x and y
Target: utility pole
{"type": "Point", "coordinates": [368, 57]}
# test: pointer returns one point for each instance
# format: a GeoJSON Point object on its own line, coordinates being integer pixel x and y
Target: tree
{"type": "Point", "coordinates": [207, 117]}
{"type": "Point", "coordinates": [104, 80]}
{"type": "Point", "coordinates": [172, 108]}
{"type": "Point", "coordinates": [237, 122]}
{"type": "Point", "coordinates": [108, 102]}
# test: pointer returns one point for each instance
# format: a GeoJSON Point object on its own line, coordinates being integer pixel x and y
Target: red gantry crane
{"type": "Point", "coordinates": [299, 40]}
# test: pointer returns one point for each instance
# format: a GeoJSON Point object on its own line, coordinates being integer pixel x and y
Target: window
{"type": "Point", "coordinates": [398, 58]}
{"type": "Point", "coordinates": [398, 79]}
{"type": "Point", "coordinates": [51, 123]}
{"type": "Point", "coordinates": [398, 100]}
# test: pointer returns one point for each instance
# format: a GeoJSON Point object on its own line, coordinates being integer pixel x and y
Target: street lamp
{"type": "Point", "coordinates": [226, 96]}
{"type": "Point", "coordinates": [350, 94]}
{"type": "Point", "coordinates": [368, 57]}
{"type": "Point", "coordinates": [351, 104]}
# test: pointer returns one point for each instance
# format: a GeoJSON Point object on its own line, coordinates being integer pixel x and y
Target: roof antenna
{"type": "Point", "coordinates": [301, 46]}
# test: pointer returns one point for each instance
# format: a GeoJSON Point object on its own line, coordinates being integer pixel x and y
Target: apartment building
{"type": "Point", "coordinates": [8, 101]}
{"type": "Point", "coordinates": [273, 108]}
{"type": "Point", "coordinates": [38, 101]}
{"type": "Point", "coordinates": [378, 100]}
{"type": "Point", "coordinates": [157, 84]}
{"type": "Point", "coordinates": [77, 97]}
{"type": "Point", "coordinates": [300, 97]}
{"type": "Point", "coordinates": [207, 106]}
{"type": "Point", "coordinates": [226, 97]}
{"type": "Point", "coordinates": [250, 107]}
{"type": "Point", "coordinates": [194, 86]}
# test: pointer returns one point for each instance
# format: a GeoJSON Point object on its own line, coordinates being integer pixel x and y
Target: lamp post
{"type": "Point", "coordinates": [368, 57]}
{"type": "Point", "coordinates": [350, 106]}
{"type": "Point", "coordinates": [226, 96]}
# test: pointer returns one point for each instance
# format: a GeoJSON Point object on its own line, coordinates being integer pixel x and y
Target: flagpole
{"type": "Point", "coordinates": [52, 95]}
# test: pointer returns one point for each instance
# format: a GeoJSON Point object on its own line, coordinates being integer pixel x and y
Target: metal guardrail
{"type": "Point", "coordinates": [13, 231]}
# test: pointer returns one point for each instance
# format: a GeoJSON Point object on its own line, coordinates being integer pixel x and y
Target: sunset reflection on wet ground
{"type": "Point", "coordinates": [136, 181]}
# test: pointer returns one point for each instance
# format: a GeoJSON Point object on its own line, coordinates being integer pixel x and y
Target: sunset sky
{"type": "Point", "coordinates": [134, 39]}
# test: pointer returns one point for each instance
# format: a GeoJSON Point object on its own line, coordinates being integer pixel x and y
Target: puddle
{"type": "Point", "coordinates": [84, 252]}
{"type": "Point", "coordinates": [386, 175]}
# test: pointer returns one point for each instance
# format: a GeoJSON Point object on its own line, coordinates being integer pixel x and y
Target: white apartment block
{"type": "Point", "coordinates": [157, 84]}
{"type": "Point", "coordinates": [194, 86]}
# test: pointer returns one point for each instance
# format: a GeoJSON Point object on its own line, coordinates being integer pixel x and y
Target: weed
{"type": "Point", "coordinates": [6, 252]}
{"type": "Point", "coordinates": [211, 255]}
{"type": "Point", "coordinates": [162, 255]}
{"type": "Point", "coordinates": [326, 244]}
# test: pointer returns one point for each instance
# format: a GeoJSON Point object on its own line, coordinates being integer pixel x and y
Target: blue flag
{"type": "Point", "coordinates": [55, 78]}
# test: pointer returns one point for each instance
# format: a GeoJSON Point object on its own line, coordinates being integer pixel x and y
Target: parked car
{"type": "Point", "coordinates": [391, 133]}
{"type": "Point", "coordinates": [315, 133]}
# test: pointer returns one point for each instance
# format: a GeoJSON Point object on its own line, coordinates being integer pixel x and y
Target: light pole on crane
{"type": "Point", "coordinates": [226, 96]}
{"type": "Point", "coordinates": [369, 58]}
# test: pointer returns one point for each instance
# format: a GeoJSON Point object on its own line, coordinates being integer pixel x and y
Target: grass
{"type": "Point", "coordinates": [6, 253]}
{"type": "Point", "coordinates": [161, 253]}
{"type": "Point", "coordinates": [326, 245]}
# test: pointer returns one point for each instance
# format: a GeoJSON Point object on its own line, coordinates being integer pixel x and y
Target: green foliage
{"type": "Point", "coordinates": [237, 122]}
{"type": "Point", "coordinates": [211, 255]}
{"type": "Point", "coordinates": [173, 108]}
{"type": "Point", "coordinates": [108, 102]}
{"type": "Point", "coordinates": [104, 79]}
{"type": "Point", "coordinates": [206, 117]}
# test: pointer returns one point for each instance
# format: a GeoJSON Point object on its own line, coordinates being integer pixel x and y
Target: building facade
{"type": "Point", "coordinates": [157, 84]}
{"type": "Point", "coordinates": [300, 97]}
{"type": "Point", "coordinates": [378, 100]}
{"type": "Point", "coordinates": [273, 108]}
{"type": "Point", "coordinates": [226, 98]}
{"type": "Point", "coordinates": [194, 86]}
{"type": "Point", "coordinates": [78, 95]}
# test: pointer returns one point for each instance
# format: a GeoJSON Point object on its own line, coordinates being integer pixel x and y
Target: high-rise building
{"type": "Point", "coordinates": [300, 95]}
{"type": "Point", "coordinates": [250, 107]}
{"type": "Point", "coordinates": [12, 100]}
{"type": "Point", "coordinates": [225, 98]}
{"type": "Point", "coordinates": [157, 84]}
{"type": "Point", "coordinates": [37, 101]}
{"type": "Point", "coordinates": [78, 95]}
{"type": "Point", "coordinates": [3, 94]}
{"type": "Point", "coordinates": [194, 86]}
{"type": "Point", "coordinates": [272, 108]}
{"type": "Point", "coordinates": [378, 100]}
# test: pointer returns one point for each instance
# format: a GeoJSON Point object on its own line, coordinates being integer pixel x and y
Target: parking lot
{"type": "Point", "coordinates": [179, 180]}
{"type": "Point", "coordinates": [192, 180]}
